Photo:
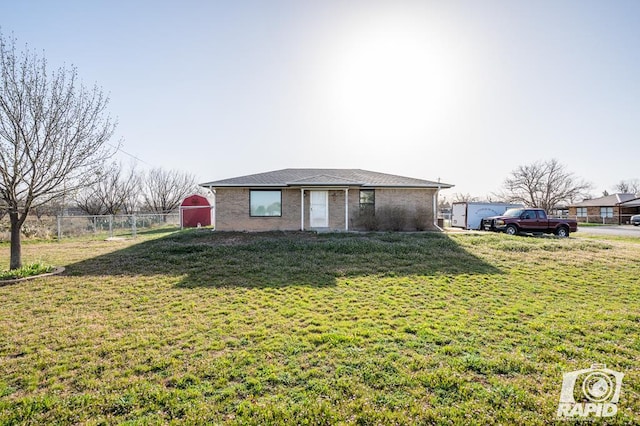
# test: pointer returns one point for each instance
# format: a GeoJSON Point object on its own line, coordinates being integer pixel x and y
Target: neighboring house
{"type": "Point", "coordinates": [324, 199]}
{"type": "Point", "coordinates": [614, 208]}
{"type": "Point", "coordinates": [628, 209]}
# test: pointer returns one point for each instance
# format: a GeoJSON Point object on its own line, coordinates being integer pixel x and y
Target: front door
{"type": "Point", "coordinates": [319, 209]}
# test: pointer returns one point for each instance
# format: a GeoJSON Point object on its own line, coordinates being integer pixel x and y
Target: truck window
{"type": "Point", "coordinates": [542, 214]}
{"type": "Point", "coordinates": [529, 214]}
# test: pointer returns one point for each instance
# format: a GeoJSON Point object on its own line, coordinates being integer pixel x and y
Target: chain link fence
{"type": "Point", "coordinates": [110, 226]}
{"type": "Point", "coordinates": [107, 226]}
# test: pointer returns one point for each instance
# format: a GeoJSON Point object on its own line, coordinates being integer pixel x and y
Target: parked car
{"type": "Point", "coordinates": [635, 220]}
{"type": "Point", "coordinates": [515, 221]}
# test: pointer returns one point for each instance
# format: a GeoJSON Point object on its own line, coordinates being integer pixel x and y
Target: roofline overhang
{"type": "Point", "coordinates": [320, 185]}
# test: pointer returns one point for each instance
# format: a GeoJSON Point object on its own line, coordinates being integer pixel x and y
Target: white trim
{"type": "Point", "coordinates": [302, 209]}
{"type": "Point", "coordinates": [325, 217]}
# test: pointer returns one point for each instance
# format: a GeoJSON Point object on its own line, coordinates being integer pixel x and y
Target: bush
{"type": "Point", "coordinates": [421, 219]}
{"type": "Point", "coordinates": [392, 218]}
{"type": "Point", "coordinates": [367, 220]}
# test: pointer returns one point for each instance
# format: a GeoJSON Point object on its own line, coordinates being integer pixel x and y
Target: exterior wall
{"type": "Point", "coordinates": [415, 205]}
{"type": "Point", "coordinates": [232, 209]}
{"type": "Point", "coordinates": [232, 212]}
{"type": "Point", "coordinates": [593, 215]}
{"type": "Point", "coordinates": [336, 208]}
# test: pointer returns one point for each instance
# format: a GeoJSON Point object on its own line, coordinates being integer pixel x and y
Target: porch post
{"type": "Point", "coordinates": [346, 209]}
{"type": "Point", "coordinates": [302, 209]}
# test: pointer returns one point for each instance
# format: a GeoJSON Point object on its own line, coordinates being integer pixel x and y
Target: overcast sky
{"type": "Point", "coordinates": [464, 91]}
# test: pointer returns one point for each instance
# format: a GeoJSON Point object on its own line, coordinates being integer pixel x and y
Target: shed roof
{"type": "Point", "coordinates": [196, 200]}
{"type": "Point", "coordinates": [326, 177]}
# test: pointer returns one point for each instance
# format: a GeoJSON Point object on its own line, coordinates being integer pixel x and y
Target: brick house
{"type": "Point", "coordinates": [324, 199]}
{"type": "Point", "coordinates": [612, 209]}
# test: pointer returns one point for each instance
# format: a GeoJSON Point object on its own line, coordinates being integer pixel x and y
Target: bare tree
{"type": "Point", "coordinates": [544, 185]}
{"type": "Point", "coordinates": [115, 191]}
{"type": "Point", "coordinates": [629, 186]}
{"type": "Point", "coordinates": [164, 190]}
{"type": "Point", "coordinates": [459, 197]}
{"type": "Point", "coordinates": [53, 134]}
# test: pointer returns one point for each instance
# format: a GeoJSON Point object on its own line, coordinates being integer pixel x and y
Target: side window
{"type": "Point", "coordinates": [542, 214]}
{"type": "Point", "coordinates": [367, 200]}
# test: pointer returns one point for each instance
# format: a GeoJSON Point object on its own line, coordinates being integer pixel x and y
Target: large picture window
{"type": "Point", "coordinates": [265, 203]}
{"type": "Point", "coordinates": [581, 212]}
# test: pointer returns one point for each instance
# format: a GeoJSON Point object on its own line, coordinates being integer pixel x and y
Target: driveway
{"type": "Point", "coordinates": [618, 230]}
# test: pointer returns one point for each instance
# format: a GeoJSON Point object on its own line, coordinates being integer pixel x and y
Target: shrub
{"type": "Point", "coordinates": [392, 218]}
{"type": "Point", "coordinates": [421, 219]}
{"type": "Point", "coordinates": [367, 220]}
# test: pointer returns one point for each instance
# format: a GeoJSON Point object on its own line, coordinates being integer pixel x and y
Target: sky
{"type": "Point", "coordinates": [462, 91]}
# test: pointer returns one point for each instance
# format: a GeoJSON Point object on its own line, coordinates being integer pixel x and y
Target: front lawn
{"type": "Point", "coordinates": [298, 328]}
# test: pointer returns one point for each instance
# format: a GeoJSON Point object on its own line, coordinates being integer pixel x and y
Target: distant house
{"type": "Point", "coordinates": [614, 208]}
{"type": "Point", "coordinates": [325, 199]}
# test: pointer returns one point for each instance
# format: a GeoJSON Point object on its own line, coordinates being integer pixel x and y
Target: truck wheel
{"type": "Point", "coordinates": [562, 232]}
{"type": "Point", "coordinates": [511, 230]}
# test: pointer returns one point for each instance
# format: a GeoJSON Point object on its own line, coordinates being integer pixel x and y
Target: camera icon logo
{"type": "Point", "coordinates": [592, 392]}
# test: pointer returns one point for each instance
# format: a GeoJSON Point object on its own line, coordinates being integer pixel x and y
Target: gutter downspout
{"type": "Point", "coordinates": [435, 209]}
{"type": "Point", "coordinates": [212, 213]}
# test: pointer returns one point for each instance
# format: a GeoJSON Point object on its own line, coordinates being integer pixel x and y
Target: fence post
{"type": "Point", "coordinates": [110, 226]}
{"type": "Point", "coordinates": [95, 230]}
{"type": "Point", "coordinates": [133, 225]}
{"type": "Point", "coordinates": [59, 227]}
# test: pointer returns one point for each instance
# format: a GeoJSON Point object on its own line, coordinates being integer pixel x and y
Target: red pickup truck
{"type": "Point", "coordinates": [515, 221]}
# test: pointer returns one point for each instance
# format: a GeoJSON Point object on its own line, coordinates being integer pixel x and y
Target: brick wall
{"type": "Point", "coordinates": [594, 215]}
{"type": "Point", "coordinates": [232, 209]}
{"type": "Point", "coordinates": [232, 212]}
{"type": "Point", "coordinates": [414, 203]}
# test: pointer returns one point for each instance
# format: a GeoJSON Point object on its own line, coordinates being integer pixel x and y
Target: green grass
{"type": "Point", "coordinates": [298, 328]}
{"type": "Point", "coordinates": [28, 270]}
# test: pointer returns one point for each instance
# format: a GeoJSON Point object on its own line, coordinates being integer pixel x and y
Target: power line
{"type": "Point", "coordinates": [118, 148]}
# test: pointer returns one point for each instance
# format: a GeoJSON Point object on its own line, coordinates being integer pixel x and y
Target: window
{"type": "Point", "coordinates": [581, 211]}
{"type": "Point", "coordinates": [265, 203]}
{"type": "Point", "coordinates": [529, 214]}
{"type": "Point", "coordinates": [606, 211]}
{"type": "Point", "coordinates": [367, 199]}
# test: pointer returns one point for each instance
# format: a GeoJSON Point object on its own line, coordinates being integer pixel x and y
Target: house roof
{"type": "Point", "coordinates": [606, 201]}
{"type": "Point", "coordinates": [635, 202]}
{"type": "Point", "coordinates": [325, 177]}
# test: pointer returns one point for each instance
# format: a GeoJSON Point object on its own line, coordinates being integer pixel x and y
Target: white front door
{"type": "Point", "coordinates": [319, 209]}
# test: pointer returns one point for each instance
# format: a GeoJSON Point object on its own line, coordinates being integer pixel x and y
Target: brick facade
{"type": "Point", "coordinates": [621, 215]}
{"type": "Point", "coordinates": [232, 209]}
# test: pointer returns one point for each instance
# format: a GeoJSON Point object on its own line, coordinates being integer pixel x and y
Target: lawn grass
{"type": "Point", "coordinates": [299, 328]}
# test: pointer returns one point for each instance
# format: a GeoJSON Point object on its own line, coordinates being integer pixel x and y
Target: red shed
{"type": "Point", "coordinates": [195, 211]}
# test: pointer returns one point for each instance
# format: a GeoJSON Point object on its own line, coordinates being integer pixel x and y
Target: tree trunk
{"type": "Point", "coordinates": [16, 243]}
